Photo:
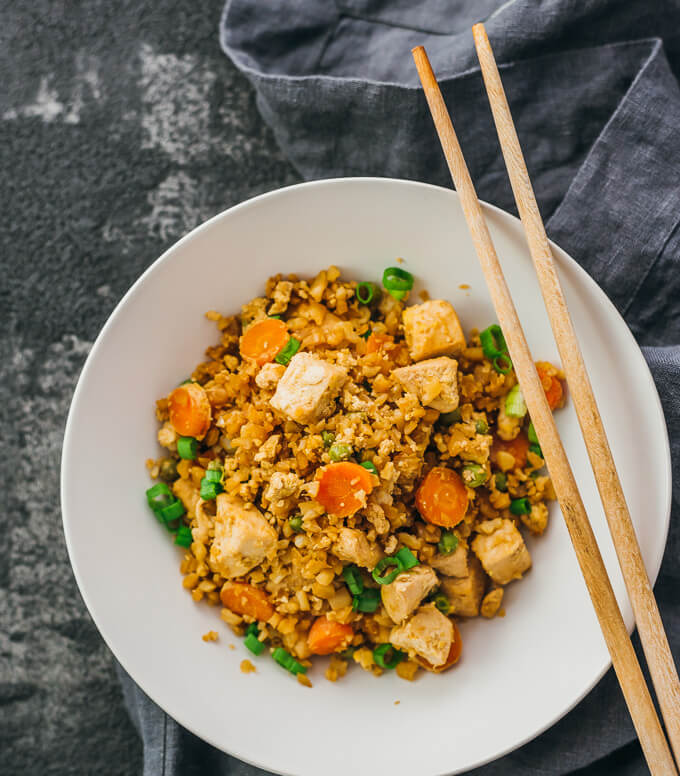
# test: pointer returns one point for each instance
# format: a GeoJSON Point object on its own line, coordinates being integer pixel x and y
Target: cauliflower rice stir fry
{"type": "Point", "coordinates": [350, 476]}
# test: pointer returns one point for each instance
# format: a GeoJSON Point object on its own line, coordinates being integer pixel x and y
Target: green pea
{"type": "Point", "coordinates": [340, 452]}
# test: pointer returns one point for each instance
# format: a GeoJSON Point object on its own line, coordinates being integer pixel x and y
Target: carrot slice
{"type": "Point", "coordinates": [551, 384]}
{"type": "Point", "coordinates": [442, 498]}
{"type": "Point", "coordinates": [378, 342]}
{"type": "Point", "coordinates": [190, 412]}
{"type": "Point", "coordinates": [339, 484]}
{"type": "Point", "coordinates": [243, 598]}
{"type": "Point", "coordinates": [263, 340]}
{"type": "Point", "coordinates": [453, 656]}
{"type": "Point", "coordinates": [326, 636]}
{"type": "Point", "coordinates": [517, 447]}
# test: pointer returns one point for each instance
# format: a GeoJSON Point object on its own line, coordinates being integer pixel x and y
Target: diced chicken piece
{"type": "Point", "coordinates": [282, 485]}
{"type": "Point", "coordinates": [243, 538]}
{"type": "Point", "coordinates": [432, 329]}
{"type": "Point", "coordinates": [428, 634]}
{"type": "Point", "coordinates": [491, 602]}
{"type": "Point", "coordinates": [500, 547]}
{"type": "Point", "coordinates": [455, 564]}
{"type": "Point", "coordinates": [269, 376]}
{"type": "Point", "coordinates": [465, 593]}
{"type": "Point", "coordinates": [434, 382]}
{"type": "Point", "coordinates": [537, 520]}
{"type": "Point", "coordinates": [353, 547]}
{"type": "Point", "coordinates": [404, 595]}
{"type": "Point", "coordinates": [305, 393]}
{"type": "Point", "coordinates": [187, 493]}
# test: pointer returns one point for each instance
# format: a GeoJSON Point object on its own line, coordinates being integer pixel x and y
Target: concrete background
{"type": "Point", "coordinates": [122, 126]}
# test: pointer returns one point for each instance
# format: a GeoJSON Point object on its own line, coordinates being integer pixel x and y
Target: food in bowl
{"type": "Point", "coordinates": [351, 476]}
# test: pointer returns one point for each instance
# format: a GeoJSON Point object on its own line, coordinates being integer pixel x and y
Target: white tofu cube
{"type": "Point", "coordinates": [404, 595]}
{"type": "Point", "coordinates": [434, 382]}
{"type": "Point", "coordinates": [243, 537]}
{"type": "Point", "coordinates": [465, 593]}
{"type": "Point", "coordinates": [501, 549]}
{"type": "Point", "coordinates": [307, 389]}
{"type": "Point", "coordinates": [432, 329]}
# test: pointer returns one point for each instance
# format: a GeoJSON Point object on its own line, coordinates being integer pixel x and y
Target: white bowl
{"type": "Point", "coordinates": [519, 674]}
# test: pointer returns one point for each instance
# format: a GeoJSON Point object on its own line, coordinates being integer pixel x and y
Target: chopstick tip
{"type": "Point", "coordinates": [479, 32]}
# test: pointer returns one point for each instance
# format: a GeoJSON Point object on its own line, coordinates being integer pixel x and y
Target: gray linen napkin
{"type": "Point", "coordinates": [597, 106]}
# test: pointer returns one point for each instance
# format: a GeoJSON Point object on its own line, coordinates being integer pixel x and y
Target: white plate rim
{"type": "Point", "coordinates": [109, 638]}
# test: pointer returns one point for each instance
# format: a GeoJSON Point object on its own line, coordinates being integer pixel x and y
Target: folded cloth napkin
{"type": "Point", "coordinates": [593, 92]}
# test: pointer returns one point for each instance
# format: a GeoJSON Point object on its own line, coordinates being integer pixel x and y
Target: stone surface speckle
{"type": "Point", "coordinates": [122, 126]}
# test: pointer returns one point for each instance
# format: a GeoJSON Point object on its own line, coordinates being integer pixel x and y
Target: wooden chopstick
{"type": "Point", "coordinates": [650, 627]}
{"type": "Point", "coordinates": [623, 656]}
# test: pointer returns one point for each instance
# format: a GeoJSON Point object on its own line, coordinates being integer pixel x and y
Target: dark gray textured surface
{"type": "Point", "coordinates": [122, 126]}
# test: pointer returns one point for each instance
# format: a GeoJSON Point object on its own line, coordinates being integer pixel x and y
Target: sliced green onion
{"type": "Point", "coordinates": [493, 341]}
{"type": "Point", "coordinates": [386, 656]}
{"type": "Point", "coordinates": [536, 450]}
{"type": "Point", "coordinates": [172, 511]}
{"type": "Point", "coordinates": [213, 475]}
{"type": "Point", "coordinates": [502, 364]}
{"type": "Point", "coordinates": [183, 536]}
{"type": "Point", "coordinates": [407, 560]}
{"type": "Point", "coordinates": [253, 628]}
{"type": "Point", "coordinates": [295, 523]}
{"type": "Point", "coordinates": [515, 406]}
{"type": "Point", "coordinates": [366, 334]}
{"type": "Point", "coordinates": [474, 475]}
{"type": "Point", "coordinates": [448, 418]}
{"type": "Point", "coordinates": [520, 506]}
{"type": "Point", "coordinates": [365, 292]}
{"type": "Point", "coordinates": [501, 481]}
{"type": "Point", "coordinates": [277, 317]}
{"type": "Point", "coordinates": [352, 576]}
{"type": "Point", "coordinates": [210, 490]}
{"type": "Point", "coordinates": [159, 496]}
{"type": "Point", "coordinates": [188, 380]}
{"type": "Point", "coordinates": [448, 543]}
{"type": "Point", "coordinates": [328, 438]}
{"type": "Point", "coordinates": [187, 447]}
{"type": "Point", "coordinates": [442, 603]}
{"type": "Point", "coordinates": [254, 644]}
{"type": "Point", "coordinates": [347, 654]}
{"type": "Point", "coordinates": [340, 451]}
{"type": "Point", "coordinates": [398, 282]}
{"type": "Point", "coordinates": [390, 576]}
{"type": "Point", "coordinates": [481, 427]}
{"type": "Point", "coordinates": [531, 434]}
{"type": "Point", "coordinates": [367, 602]}
{"type": "Point", "coordinates": [288, 351]}
{"type": "Point", "coordinates": [370, 466]}
{"type": "Point", "coordinates": [286, 660]}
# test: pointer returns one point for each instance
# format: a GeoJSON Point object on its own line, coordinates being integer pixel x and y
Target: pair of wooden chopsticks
{"type": "Point", "coordinates": [650, 627]}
